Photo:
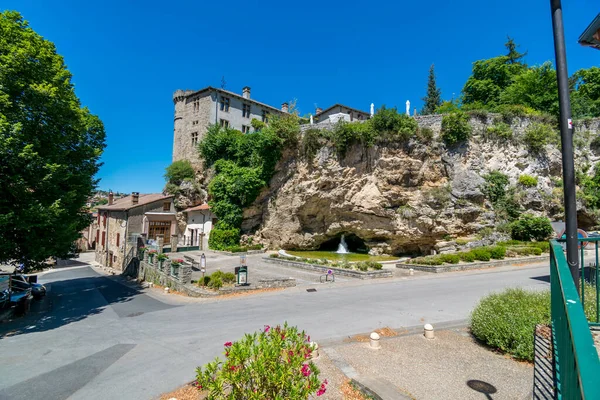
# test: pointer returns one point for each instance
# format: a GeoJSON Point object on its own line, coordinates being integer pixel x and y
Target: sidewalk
{"type": "Point", "coordinates": [451, 366]}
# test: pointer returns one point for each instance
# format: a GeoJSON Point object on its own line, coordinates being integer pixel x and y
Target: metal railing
{"type": "Point", "coordinates": [577, 367]}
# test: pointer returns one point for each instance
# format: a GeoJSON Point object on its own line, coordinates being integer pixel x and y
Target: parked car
{"type": "Point", "coordinates": [37, 290]}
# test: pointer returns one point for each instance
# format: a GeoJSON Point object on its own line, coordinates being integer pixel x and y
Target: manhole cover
{"type": "Point", "coordinates": [135, 314]}
{"type": "Point", "coordinates": [311, 290]}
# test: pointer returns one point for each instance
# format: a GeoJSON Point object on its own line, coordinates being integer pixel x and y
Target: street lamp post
{"type": "Point", "coordinates": [566, 135]}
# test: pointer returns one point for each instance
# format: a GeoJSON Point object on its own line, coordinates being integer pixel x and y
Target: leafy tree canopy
{"type": "Point", "coordinates": [178, 171]}
{"type": "Point", "coordinates": [49, 148]}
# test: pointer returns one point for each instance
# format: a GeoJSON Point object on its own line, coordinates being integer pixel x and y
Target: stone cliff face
{"type": "Point", "coordinates": [401, 198]}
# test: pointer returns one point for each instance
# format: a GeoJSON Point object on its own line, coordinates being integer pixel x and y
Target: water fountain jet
{"type": "Point", "coordinates": [342, 247]}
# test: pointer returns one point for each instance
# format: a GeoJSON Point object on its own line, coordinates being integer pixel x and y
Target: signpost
{"type": "Point", "coordinates": [203, 267]}
{"type": "Point", "coordinates": [242, 271]}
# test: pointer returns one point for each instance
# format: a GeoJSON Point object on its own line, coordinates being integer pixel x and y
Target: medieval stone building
{"type": "Point", "coordinates": [196, 110]}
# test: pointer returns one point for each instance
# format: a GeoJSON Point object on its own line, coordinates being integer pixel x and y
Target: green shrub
{"type": "Point", "coordinates": [537, 136]}
{"type": "Point", "coordinates": [528, 228]}
{"type": "Point", "coordinates": [498, 252]}
{"type": "Point", "coordinates": [528, 180]}
{"type": "Point", "coordinates": [429, 260]}
{"type": "Point", "coordinates": [221, 238]}
{"type": "Point", "coordinates": [495, 186]}
{"type": "Point", "coordinates": [461, 241]}
{"type": "Point", "coordinates": [466, 256]}
{"type": "Point", "coordinates": [425, 134]}
{"type": "Point", "coordinates": [271, 364]}
{"type": "Point", "coordinates": [507, 320]}
{"type": "Point", "coordinates": [455, 128]}
{"type": "Point", "coordinates": [178, 171]}
{"type": "Point", "coordinates": [485, 232]}
{"type": "Point", "coordinates": [274, 255]}
{"type": "Point", "coordinates": [345, 134]}
{"type": "Point", "coordinates": [450, 258]}
{"type": "Point", "coordinates": [447, 107]}
{"type": "Point", "coordinates": [375, 265]}
{"type": "Point", "coordinates": [228, 277]}
{"type": "Point", "coordinates": [500, 130]}
{"type": "Point", "coordinates": [482, 254]}
{"type": "Point", "coordinates": [392, 124]}
{"type": "Point", "coordinates": [526, 251]}
{"type": "Point", "coordinates": [215, 282]}
{"type": "Point", "coordinates": [311, 142]}
{"type": "Point", "coordinates": [361, 266]}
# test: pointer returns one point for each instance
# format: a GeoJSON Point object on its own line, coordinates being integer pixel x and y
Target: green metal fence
{"type": "Point", "coordinates": [577, 367]}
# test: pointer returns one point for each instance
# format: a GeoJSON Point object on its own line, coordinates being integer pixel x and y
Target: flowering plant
{"type": "Point", "coordinates": [152, 252]}
{"type": "Point", "coordinates": [141, 250]}
{"type": "Point", "coordinates": [177, 262]}
{"type": "Point", "coordinates": [161, 257]}
{"type": "Point", "coordinates": [271, 364]}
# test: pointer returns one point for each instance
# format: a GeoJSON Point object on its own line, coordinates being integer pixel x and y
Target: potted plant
{"type": "Point", "coordinates": [161, 257]}
{"type": "Point", "coordinates": [141, 251]}
{"type": "Point", "coordinates": [175, 264]}
{"type": "Point", "coordinates": [151, 255]}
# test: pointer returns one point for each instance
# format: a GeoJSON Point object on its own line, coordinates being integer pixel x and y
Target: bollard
{"type": "Point", "coordinates": [315, 352]}
{"type": "Point", "coordinates": [375, 341]}
{"type": "Point", "coordinates": [166, 290]}
{"type": "Point", "coordinates": [428, 331]}
{"type": "Point", "coordinates": [411, 271]}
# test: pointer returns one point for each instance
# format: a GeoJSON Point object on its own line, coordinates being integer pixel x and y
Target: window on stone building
{"type": "Point", "coordinates": [118, 239]}
{"type": "Point", "coordinates": [224, 123]}
{"type": "Point", "coordinates": [103, 238]}
{"type": "Point", "coordinates": [97, 236]}
{"type": "Point", "coordinates": [194, 123]}
{"type": "Point", "coordinates": [246, 110]}
{"type": "Point", "coordinates": [265, 116]}
{"type": "Point", "coordinates": [245, 129]}
{"type": "Point", "coordinates": [194, 138]}
{"type": "Point", "coordinates": [196, 105]}
{"type": "Point", "coordinates": [167, 206]}
{"type": "Point", "coordinates": [225, 104]}
{"type": "Point", "coordinates": [159, 228]}
{"type": "Point", "coordinates": [104, 219]}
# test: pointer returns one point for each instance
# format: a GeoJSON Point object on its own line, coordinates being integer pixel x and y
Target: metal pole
{"type": "Point", "coordinates": [566, 135]}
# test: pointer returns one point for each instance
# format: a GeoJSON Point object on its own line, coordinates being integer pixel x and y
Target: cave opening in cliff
{"type": "Point", "coordinates": [355, 244]}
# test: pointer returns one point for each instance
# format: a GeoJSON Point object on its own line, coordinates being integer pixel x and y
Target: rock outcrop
{"type": "Point", "coordinates": [402, 198]}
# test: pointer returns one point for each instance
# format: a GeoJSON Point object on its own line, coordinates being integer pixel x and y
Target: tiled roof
{"type": "Point", "coordinates": [124, 203]}
{"type": "Point", "coordinates": [227, 92]}
{"type": "Point", "coordinates": [198, 208]}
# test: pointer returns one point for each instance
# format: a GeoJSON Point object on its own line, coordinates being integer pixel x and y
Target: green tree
{"type": "Point", "coordinates": [433, 99]}
{"type": "Point", "coordinates": [535, 87]}
{"type": "Point", "coordinates": [49, 149]}
{"type": "Point", "coordinates": [585, 97]}
{"type": "Point", "coordinates": [178, 171]}
{"type": "Point", "coordinates": [514, 57]}
{"type": "Point", "coordinates": [490, 77]}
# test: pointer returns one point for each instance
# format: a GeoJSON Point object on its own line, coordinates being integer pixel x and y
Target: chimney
{"type": "Point", "coordinates": [135, 197]}
{"type": "Point", "coordinates": [111, 198]}
{"type": "Point", "coordinates": [318, 110]}
{"type": "Point", "coordinates": [285, 107]}
{"type": "Point", "coordinates": [246, 92]}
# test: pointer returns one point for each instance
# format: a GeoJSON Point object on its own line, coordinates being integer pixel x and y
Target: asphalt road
{"type": "Point", "coordinates": [95, 338]}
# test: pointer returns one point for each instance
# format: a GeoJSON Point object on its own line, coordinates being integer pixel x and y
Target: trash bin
{"type": "Point", "coordinates": [242, 275]}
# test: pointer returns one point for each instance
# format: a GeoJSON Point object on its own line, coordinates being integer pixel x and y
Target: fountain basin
{"type": "Point", "coordinates": [334, 256]}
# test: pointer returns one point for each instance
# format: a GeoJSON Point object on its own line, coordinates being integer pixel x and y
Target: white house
{"type": "Point", "coordinates": [200, 221]}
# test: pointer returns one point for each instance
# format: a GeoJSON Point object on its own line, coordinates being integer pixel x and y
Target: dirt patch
{"type": "Point", "coordinates": [187, 392]}
{"type": "Point", "coordinates": [349, 392]}
{"type": "Point", "coordinates": [382, 332]}
{"type": "Point", "coordinates": [248, 293]}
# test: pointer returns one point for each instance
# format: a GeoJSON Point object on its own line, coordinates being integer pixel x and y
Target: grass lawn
{"type": "Point", "coordinates": [329, 255]}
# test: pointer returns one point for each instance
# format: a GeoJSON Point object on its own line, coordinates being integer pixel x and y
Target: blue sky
{"type": "Point", "coordinates": [128, 57]}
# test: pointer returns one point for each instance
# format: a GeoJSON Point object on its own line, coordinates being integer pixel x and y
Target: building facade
{"type": "Point", "coordinates": [121, 222]}
{"type": "Point", "coordinates": [340, 111]}
{"type": "Point", "coordinates": [195, 111]}
{"type": "Point", "coordinates": [200, 221]}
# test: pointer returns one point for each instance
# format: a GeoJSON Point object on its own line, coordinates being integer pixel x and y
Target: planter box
{"type": "Point", "coordinates": [338, 271]}
{"type": "Point", "coordinates": [473, 265]}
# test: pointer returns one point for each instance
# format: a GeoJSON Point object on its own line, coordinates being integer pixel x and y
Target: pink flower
{"type": "Point", "coordinates": [282, 336]}
{"type": "Point", "coordinates": [227, 354]}
{"type": "Point", "coordinates": [305, 370]}
{"type": "Point", "coordinates": [233, 368]}
{"type": "Point", "coordinates": [267, 328]}
{"type": "Point", "coordinates": [321, 392]}
{"type": "Point", "coordinates": [228, 344]}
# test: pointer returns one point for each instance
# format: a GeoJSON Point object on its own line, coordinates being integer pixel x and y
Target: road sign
{"type": "Point", "coordinates": [581, 234]}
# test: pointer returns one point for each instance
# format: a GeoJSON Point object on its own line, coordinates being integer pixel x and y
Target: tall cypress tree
{"type": "Point", "coordinates": [434, 95]}
{"type": "Point", "coordinates": [514, 57]}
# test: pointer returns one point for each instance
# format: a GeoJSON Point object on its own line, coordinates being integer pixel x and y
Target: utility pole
{"type": "Point", "coordinates": [566, 135]}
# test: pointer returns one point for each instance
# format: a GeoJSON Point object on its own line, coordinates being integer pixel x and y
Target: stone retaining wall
{"type": "Point", "coordinates": [160, 275]}
{"type": "Point", "coordinates": [474, 265]}
{"type": "Point", "coordinates": [337, 271]}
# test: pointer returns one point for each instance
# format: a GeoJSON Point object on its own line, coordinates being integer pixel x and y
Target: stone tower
{"type": "Point", "coordinates": [178, 131]}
